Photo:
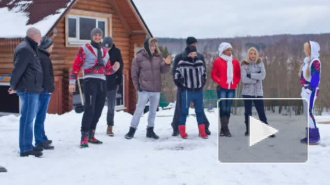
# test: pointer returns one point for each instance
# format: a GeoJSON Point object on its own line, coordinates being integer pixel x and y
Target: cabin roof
{"type": "Point", "coordinates": [16, 16]}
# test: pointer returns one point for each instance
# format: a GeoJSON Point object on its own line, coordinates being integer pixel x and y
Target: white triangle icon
{"type": "Point", "coordinates": [259, 131]}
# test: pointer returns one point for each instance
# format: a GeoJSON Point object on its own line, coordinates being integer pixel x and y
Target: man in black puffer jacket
{"type": "Point", "coordinates": [26, 80]}
{"type": "Point", "coordinates": [176, 119]}
{"type": "Point", "coordinates": [113, 81]}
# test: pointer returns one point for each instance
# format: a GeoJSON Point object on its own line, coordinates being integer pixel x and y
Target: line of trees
{"type": "Point", "coordinates": [282, 55]}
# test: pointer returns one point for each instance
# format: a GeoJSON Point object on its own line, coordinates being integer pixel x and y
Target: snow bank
{"type": "Point", "coordinates": [169, 160]}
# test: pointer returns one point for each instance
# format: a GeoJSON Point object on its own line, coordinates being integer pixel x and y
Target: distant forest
{"type": "Point", "coordinates": [282, 55]}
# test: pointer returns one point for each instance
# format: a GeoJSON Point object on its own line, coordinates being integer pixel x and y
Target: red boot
{"type": "Point", "coordinates": [84, 140]}
{"type": "Point", "coordinates": [182, 131]}
{"type": "Point", "coordinates": [202, 132]}
{"type": "Point", "coordinates": [92, 138]}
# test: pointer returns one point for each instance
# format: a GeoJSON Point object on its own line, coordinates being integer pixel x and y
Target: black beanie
{"type": "Point", "coordinates": [107, 42]}
{"type": "Point", "coordinates": [191, 40]}
{"type": "Point", "coordinates": [190, 49]}
{"type": "Point", "coordinates": [45, 43]}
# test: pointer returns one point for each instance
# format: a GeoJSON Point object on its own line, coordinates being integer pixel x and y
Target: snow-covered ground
{"type": "Point", "coordinates": [169, 160]}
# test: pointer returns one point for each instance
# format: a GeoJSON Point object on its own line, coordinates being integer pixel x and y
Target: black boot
{"type": "Point", "coordinates": [45, 146]}
{"type": "Point", "coordinates": [207, 131]}
{"type": "Point", "coordinates": [130, 133]}
{"type": "Point", "coordinates": [207, 125]}
{"type": "Point", "coordinates": [2, 169]}
{"type": "Point", "coordinates": [247, 132]}
{"type": "Point", "coordinates": [49, 142]}
{"type": "Point", "coordinates": [222, 123]}
{"type": "Point", "coordinates": [226, 128]}
{"type": "Point", "coordinates": [38, 148]}
{"type": "Point", "coordinates": [151, 133]}
{"type": "Point", "coordinates": [175, 129]}
{"type": "Point", "coordinates": [31, 152]}
{"type": "Point", "coordinates": [175, 132]}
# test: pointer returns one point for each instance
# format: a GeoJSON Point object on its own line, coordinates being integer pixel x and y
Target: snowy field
{"type": "Point", "coordinates": [169, 160]}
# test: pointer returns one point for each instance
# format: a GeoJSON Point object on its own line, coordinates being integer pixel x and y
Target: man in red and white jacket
{"type": "Point", "coordinates": [94, 60]}
{"type": "Point", "coordinates": [226, 73]}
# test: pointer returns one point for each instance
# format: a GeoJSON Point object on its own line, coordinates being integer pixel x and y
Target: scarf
{"type": "Point", "coordinates": [230, 68]}
{"type": "Point", "coordinates": [98, 46]}
{"type": "Point", "coordinates": [229, 59]}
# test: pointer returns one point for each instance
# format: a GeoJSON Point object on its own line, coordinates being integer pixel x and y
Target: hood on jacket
{"type": "Point", "coordinates": [315, 49]}
{"type": "Point", "coordinates": [245, 62]}
{"type": "Point", "coordinates": [147, 44]}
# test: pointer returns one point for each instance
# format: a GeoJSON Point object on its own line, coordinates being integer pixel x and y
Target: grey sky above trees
{"type": "Point", "coordinates": [233, 18]}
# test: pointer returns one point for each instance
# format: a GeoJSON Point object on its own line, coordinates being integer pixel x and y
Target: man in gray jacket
{"type": "Point", "coordinates": [147, 67]}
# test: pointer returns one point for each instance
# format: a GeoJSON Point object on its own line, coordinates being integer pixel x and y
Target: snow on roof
{"type": "Point", "coordinates": [16, 16]}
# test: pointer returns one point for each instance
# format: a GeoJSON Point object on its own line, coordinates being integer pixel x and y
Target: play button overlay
{"type": "Point", "coordinates": [259, 131]}
{"type": "Point", "coordinates": [285, 118]}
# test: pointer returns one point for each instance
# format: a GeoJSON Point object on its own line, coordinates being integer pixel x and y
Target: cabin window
{"type": "Point", "coordinates": [79, 28]}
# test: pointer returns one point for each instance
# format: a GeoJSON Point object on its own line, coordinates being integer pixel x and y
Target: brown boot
{"type": "Point", "coordinates": [109, 131]}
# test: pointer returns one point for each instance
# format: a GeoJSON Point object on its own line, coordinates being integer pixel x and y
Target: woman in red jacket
{"type": "Point", "coordinates": [226, 73]}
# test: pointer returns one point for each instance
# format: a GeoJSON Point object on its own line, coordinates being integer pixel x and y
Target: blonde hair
{"type": "Point", "coordinates": [307, 49]}
{"type": "Point", "coordinates": [248, 54]}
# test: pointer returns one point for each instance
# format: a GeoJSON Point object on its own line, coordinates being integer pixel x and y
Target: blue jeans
{"type": "Point", "coordinates": [29, 105]}
{"type": "Point", "coordinates": [259, 105]}
{"type": "Point", "coordinates": [225, 105]}
{"type": "Point", "coordinates": [197, 99]}
{"type": "Point", "coordinates": [39, 129]}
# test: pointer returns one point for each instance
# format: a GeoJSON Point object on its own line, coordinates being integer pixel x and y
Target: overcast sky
{"type": "Point", "coordinates": [231, 18]}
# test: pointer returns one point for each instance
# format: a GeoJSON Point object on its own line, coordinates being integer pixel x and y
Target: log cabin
{"type": "Point", "coordinates": [69, 23]}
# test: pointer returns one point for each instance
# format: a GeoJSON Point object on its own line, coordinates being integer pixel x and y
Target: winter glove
{"type": "Point", "coordinates": [248, 75]}
{"type": "Point", "coordinates": [179, 82]}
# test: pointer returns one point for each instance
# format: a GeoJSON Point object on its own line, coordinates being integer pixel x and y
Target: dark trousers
{"type": "Point", "coordinates": [177, 113]}
{"type": "Point", "coordinates": [111, 99]}
{"type": "Point", "coordinates": [94, 93]}
{"type": "Point", "coordinates": [225, 105]}
{"type": "Point", "coordinates": [259, 105]}
{"type": "Point", "coordinates": [197, 99]}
